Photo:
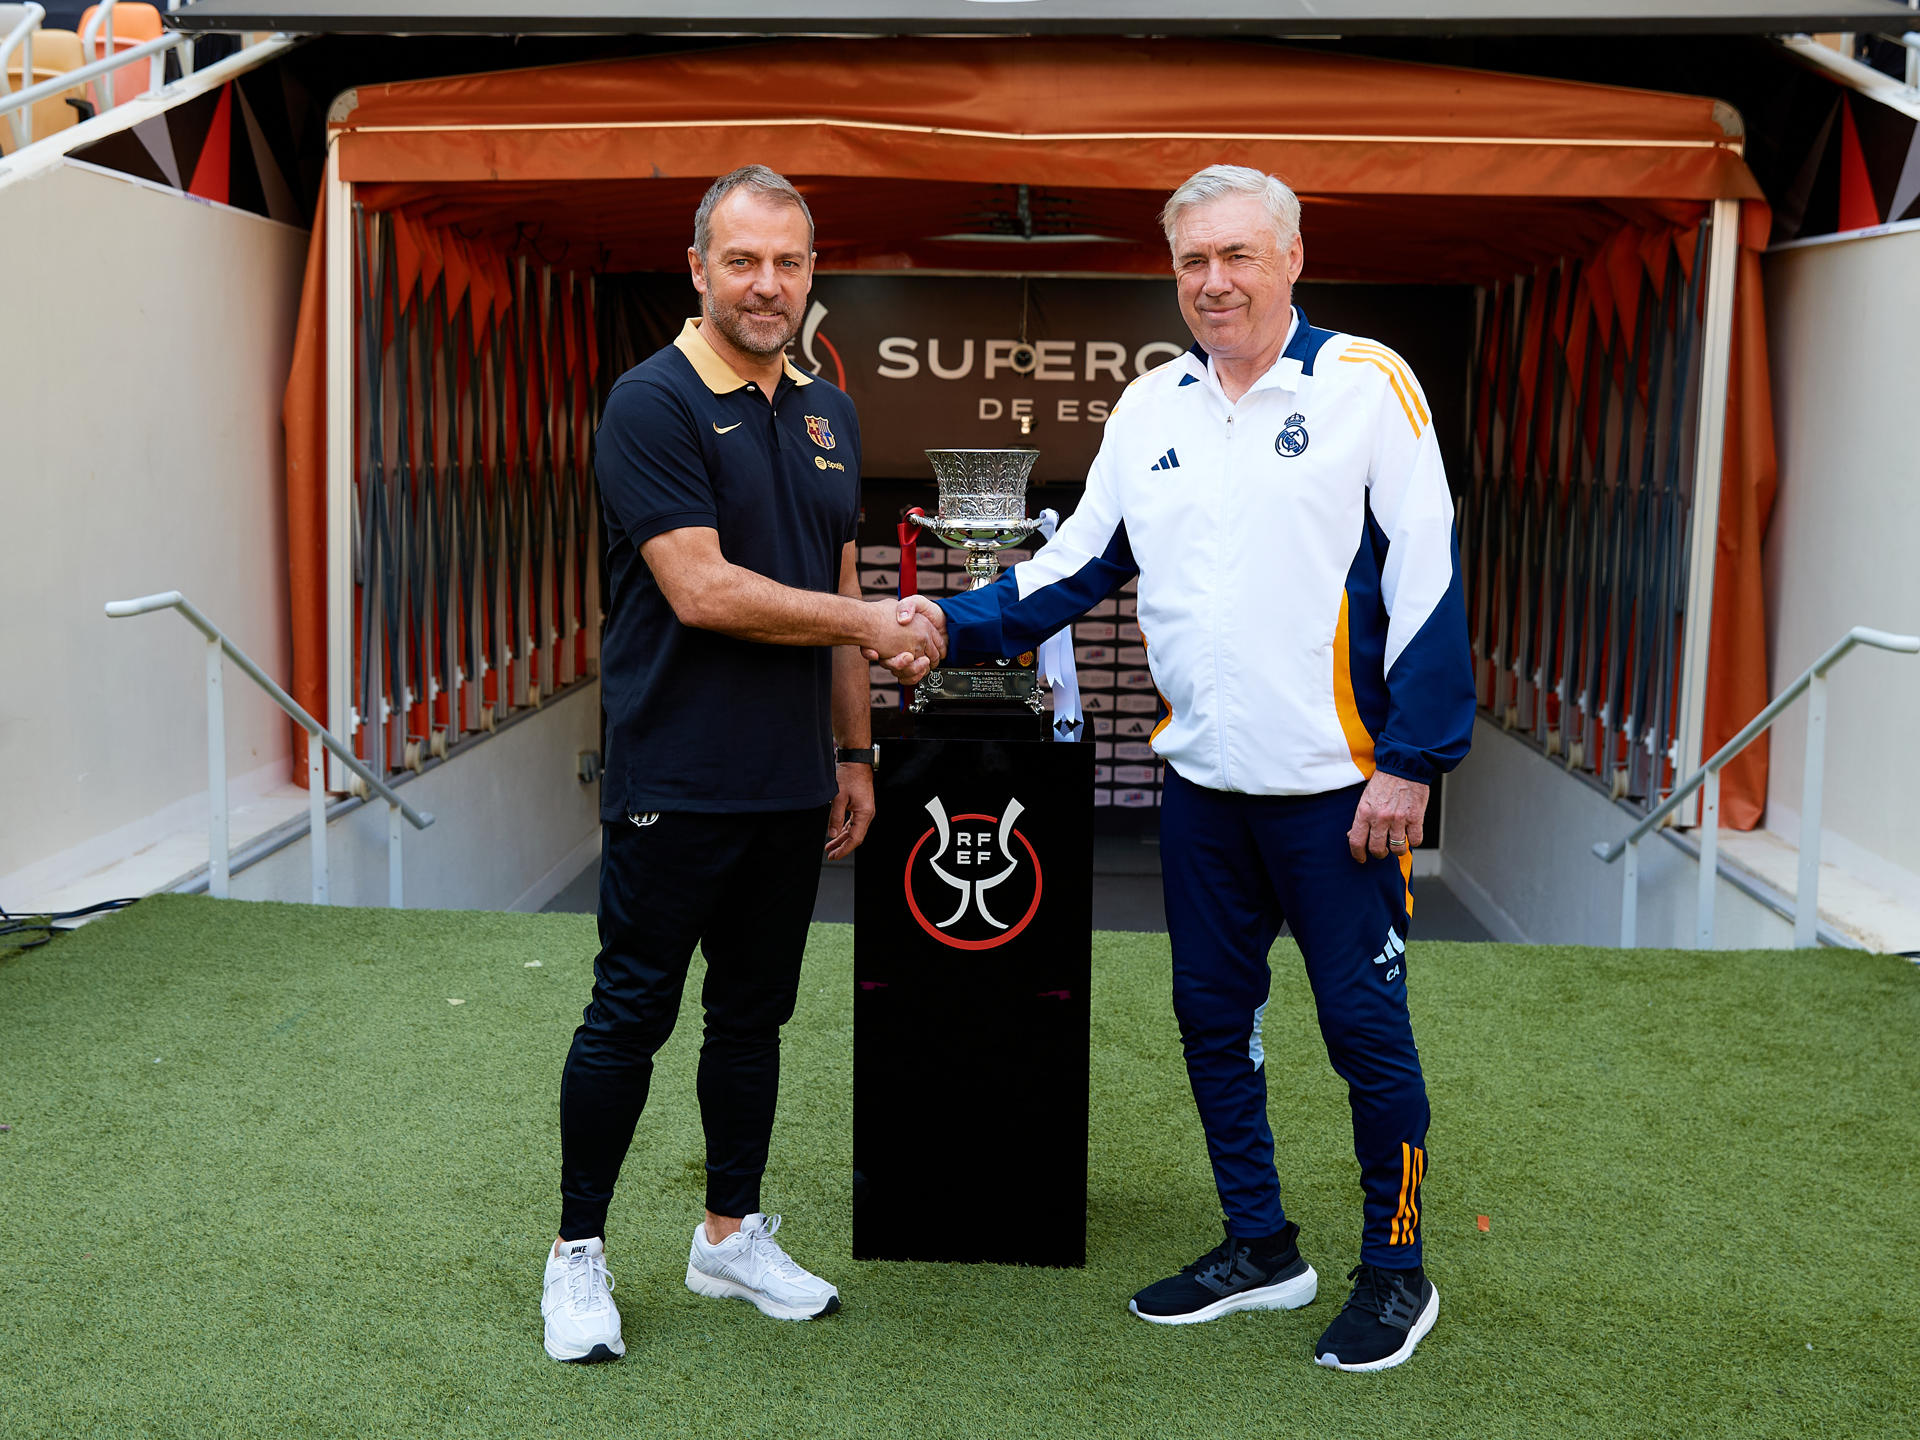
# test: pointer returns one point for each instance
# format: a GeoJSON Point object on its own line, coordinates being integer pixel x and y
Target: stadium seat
{"type": "Point", "coordinates": [54, 53]}
{"type": "Point", "coordinates": [132, 25]}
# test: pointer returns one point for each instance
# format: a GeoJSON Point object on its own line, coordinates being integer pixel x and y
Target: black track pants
{"type": "Point", "coordinates": [741, 887]}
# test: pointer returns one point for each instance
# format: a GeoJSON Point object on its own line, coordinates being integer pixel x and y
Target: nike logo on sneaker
{"type": "Point", "coordinates": [723, 429]}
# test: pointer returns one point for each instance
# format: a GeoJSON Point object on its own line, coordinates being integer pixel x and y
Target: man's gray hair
{"type": "Point", "coordinates": [1217, 182]}
{"type": "Point", "coordinates": [761, 181]}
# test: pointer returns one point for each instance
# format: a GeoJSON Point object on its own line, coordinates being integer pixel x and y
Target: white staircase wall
{"type": "Point", "coordinates": [1517, 848]}
{"type": "Point", "coordinates": [1842, 324]}
{"type": "Point", "coordinates": [147, 338]}
{"type": "Point", "coordinates": [512, 824]}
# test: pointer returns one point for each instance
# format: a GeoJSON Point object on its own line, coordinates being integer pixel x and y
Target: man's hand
{"type": "Point", "coordinates": [916, 641]}
{"type": "Point", "coordinates": [1388, 819]}
{"type": "Point", "coordinates": [852, 810]}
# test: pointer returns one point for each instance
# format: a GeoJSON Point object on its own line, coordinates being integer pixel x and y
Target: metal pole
{"type": "Point", "coordinates": [1709, 859]}
{"type": "Point", "coordinates": [346, 693]}
{"type": "Point", "coordinates": [1806, 897]}
{"type": "Point", "coordinates": [1630, 899]}
{"type": "Point", "coordinates": [24, 121]}
{"type": "Point", "coordinates": [1709, 448]}
{"type": "Point", "coordinates": [217, 872]}
{"type": "Point", "coordinates": [112, 81]}
{"type": "Point", "coordinates": [317, 814]}
{"type": "Point", "coordinates": [395, 894]}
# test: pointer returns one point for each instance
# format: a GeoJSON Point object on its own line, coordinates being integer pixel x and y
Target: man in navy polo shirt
{"type": "Point", "coordinates": [730, 665]}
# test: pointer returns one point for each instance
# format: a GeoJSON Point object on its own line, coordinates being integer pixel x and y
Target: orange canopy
{"type": "Point", "coordinates": [909, 148]}
{"type": "Point", "coordinates": [901, 141]}
{"type": "Point", "coordinates": [1124, 114]}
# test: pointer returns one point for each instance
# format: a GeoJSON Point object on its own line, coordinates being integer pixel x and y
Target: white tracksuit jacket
{"type": "Point", "coordinates": [1299, 586]}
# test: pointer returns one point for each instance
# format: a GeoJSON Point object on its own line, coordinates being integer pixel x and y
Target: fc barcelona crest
{"type": "Point", "coordinates": [819, 431]}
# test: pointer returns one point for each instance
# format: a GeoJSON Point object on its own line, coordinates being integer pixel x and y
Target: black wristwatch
{"type": "Point", "coordinates": [868, 756]}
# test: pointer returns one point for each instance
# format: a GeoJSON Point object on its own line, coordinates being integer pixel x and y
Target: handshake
{"type": "Point", "coordinates": [908, 636]}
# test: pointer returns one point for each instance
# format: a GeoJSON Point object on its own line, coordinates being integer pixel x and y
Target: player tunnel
{"type": "Point", "coordinates": [1570, 269]}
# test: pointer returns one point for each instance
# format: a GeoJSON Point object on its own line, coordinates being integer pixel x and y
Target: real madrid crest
{"type": "Point", "coordinates": [819, 431]}
{"type": "Point", "coordinates": [1292, 439]}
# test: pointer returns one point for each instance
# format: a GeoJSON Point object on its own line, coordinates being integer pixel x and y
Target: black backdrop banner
{"type": "Point", "coordinates": [935, 361]}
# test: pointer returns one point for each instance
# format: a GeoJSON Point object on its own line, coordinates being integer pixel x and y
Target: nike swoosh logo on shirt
{"type": "Point", "coordinates": [719, 430]}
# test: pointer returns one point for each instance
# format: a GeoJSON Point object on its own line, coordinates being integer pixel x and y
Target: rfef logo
{"type": "Point", "coordinates": [973, 881]}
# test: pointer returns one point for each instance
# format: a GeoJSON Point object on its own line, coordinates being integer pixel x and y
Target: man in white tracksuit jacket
{"type": "Point", "coordinates": [1279, 492]}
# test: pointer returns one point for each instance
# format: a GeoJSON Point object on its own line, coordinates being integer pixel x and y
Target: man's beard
{"type": "Point", "coordinates": [731, 322]}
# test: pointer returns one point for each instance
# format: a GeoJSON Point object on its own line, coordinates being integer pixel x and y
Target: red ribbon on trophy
{"type": "Point", "coordinates": [909, 556]}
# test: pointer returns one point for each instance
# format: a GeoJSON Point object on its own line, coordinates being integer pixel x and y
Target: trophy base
{"type": "Point", "coordinates": [979, 685]}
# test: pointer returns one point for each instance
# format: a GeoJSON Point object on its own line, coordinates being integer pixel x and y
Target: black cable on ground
{"type": "Point", "coordinates": [47, 926]}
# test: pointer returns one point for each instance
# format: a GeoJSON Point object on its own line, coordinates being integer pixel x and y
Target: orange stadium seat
{"type": "Point", "coordinates": [132, 25]}
{"type": "Point", "coordinates": [54, 53]}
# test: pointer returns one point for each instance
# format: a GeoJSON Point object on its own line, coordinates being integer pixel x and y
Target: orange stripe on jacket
{"type": "Point", "coordinates": [1166, 719]}
{"type": "Point", "coordinates": [1393, 379]}
{"type": "Point", "coordinates": [1400, 366]}
{"type": "Point", "coordinates": [1359, 738]}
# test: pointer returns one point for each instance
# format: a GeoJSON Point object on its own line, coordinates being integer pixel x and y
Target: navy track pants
{"type": "Point", "coordinates": [1234, 868]}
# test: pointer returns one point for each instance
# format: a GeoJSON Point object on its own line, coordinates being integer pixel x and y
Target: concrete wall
{"type": "Point", "coordinates": [1516, 846]}
{"type": "Point", "coordinates": [512, 824]}
{"type": "Point", "coordinates": [1841, 328]}
{"type": "Point", "coordinates": [147, 341]}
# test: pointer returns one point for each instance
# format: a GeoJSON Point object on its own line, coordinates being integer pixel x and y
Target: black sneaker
{"type": "Point", "coordinates": [1234, 1275]}
{"type": "Point", "coordinates": [1388, 1313]}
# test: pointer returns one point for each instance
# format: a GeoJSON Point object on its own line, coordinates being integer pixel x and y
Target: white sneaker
{"type": "Point", "coordinates": [582, 1323]}
{"type": "Point", "coordinates": [749, 1265]}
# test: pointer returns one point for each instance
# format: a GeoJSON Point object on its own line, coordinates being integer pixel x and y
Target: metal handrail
{"type": "Point", "coordinates": [90, 44]}
{"type": "Point", "coordinates": [21, 37]}
{"type": "Point", "coordinates": [318, 738]}
{"type": "Point", "coordinates": [1806, 908]}
{"type": "Point", "coordinates": [80, 74]}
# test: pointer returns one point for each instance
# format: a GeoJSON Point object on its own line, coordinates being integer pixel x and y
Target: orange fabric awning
{"type": "Point", "coordinates": [1408, 173]}
{"type": "Point", "coordinates": [1127, 114]}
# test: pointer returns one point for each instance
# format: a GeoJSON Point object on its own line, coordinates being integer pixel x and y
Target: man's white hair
{"type": "Point", "coordinates": [1217, 182]}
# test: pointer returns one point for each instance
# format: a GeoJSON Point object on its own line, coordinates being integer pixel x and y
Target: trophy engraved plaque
{"type": "Point", "coordinates": [983, 510]}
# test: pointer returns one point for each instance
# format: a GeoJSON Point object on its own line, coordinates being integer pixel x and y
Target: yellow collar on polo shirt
{"type": "Point", "coordinates": [715, 373]}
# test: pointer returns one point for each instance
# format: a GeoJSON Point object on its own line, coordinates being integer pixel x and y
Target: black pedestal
{"type": "Point", "coordinates": [972, 959]}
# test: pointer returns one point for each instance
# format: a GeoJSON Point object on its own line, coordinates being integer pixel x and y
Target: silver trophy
{"type": "Point", "coordinates": [983, 510]}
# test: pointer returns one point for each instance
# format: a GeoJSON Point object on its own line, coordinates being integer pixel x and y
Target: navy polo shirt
{"type": "Point", "coordinates": [697, 720]}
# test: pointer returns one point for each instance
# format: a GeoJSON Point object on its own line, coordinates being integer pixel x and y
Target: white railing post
{"type": "Point", "coordinates": [318, 738]}
{"type": "Point", "coordinates": [1709, 859]}
{"type": "Point", "coordinates": [20, 37]}
{"type": "Point", "coordinates": [23, 120]}
{"type": "Point", "coordinates": [396, 899]}
{"type": "Point", "coordinates": [317, 814]}
{"type": "Point", "coordinates": [217, 873]}
{"type": "Point", "coordinates": [1806, 899]}
{"type": "Point", "coordinates": [112, 81]}
{"type": "Point", "coordinates": [1806, 909]}
{"type": "Point", "coordinates": [1630, 897]}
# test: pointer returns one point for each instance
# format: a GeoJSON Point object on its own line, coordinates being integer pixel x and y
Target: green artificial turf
{"type": "Point", "coordinates": [262, 1179]}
